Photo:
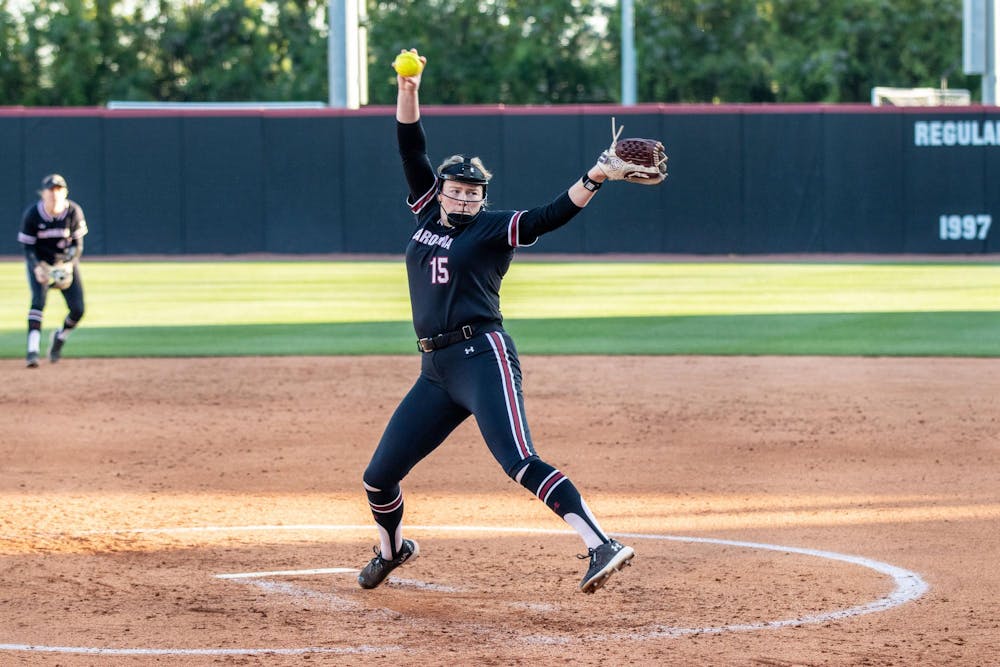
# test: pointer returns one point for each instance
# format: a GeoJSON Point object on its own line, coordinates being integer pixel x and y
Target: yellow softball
{"type": "Point", "coordinates": [407, 64]}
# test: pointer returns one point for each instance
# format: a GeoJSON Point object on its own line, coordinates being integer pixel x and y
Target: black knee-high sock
{"type": "Point", "coordinates": [562, 497]}
{"type": "Point", "coordinates": [387, 509]}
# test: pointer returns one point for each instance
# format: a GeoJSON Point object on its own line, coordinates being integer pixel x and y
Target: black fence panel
{"type": "Point", "coordinates": [700, 203]}
{"type": "Point", "coordinates": [223, 192]}
{"type": "Point", "coordinates": [74, 147]}
{"type": "Point", "coordinates": [782, 183]}
{"type": "Point", "coordinates": [744, 179]}
{"type": "Point", "coordinates": [863, 183]}
{"type": "Point", "coordinates": [304, 185]}
{"type": "Point", "coordinates": [144, 186]}
{"type": "Point", "coordinates": [15, 185]}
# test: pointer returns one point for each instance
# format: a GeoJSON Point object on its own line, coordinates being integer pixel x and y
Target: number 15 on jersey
{"type": "Point", "coordinates": [439, 270]}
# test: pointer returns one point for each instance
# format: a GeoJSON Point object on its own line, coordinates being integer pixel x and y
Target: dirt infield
{"type": "Point", "coordinates": [784, 511]}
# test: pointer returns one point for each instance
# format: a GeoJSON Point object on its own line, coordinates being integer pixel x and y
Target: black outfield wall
{"type": "Point", "coordinates": [743, 179]}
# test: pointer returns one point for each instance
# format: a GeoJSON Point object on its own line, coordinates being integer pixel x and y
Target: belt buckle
{"type": "Point", "coordinates": [467, 331]}
{"type": "Point", "coordinates": [425, 345]}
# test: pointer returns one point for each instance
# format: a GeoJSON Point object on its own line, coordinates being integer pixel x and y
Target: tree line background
{"type": "Point", "coordinates": [89, 52]}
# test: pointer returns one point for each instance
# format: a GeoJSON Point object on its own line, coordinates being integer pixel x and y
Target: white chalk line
{"type": "Point", "coordinates": [93, 650]}
{"type": "Point", "coordinates": [909, 586]}
{"type": "Point", "coordinates": [288, 573]}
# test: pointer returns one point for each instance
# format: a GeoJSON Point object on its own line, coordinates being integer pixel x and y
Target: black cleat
{"type": "Point", "coordinates": [55, 347]}
{"type": "Point", "coordinates": [32, 360]}
{"type": "Point", "coordinates": [605, 560]}
{"type": "Point", "coordinates": [379, 568]}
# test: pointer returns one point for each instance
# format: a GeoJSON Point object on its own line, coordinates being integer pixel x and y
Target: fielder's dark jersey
{"type": "Point", "coordinates": [52, 236]}
{"type": "Point", "coordinates": [455, 273]}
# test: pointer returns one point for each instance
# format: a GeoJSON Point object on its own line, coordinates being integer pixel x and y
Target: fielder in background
{"type": "Point", "coordinates": [52, 232]}
{"type": "Point", "coordinates": [455, 260]}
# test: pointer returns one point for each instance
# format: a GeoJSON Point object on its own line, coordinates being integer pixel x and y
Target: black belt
{"type": "Point", "coordinates": [445, 339]}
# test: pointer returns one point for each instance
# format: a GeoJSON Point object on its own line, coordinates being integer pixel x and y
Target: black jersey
{"type": "Point", "coordinates": [454, 273]}
{"type": "Point", "coordinates": [52, 236]}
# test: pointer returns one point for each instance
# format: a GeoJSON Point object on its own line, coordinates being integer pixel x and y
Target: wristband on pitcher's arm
{"type": "Point", "coordinates": [590, 183]}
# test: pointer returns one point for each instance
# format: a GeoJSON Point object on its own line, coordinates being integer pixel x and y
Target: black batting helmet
{"type": "Point", "coordinates": [463, 169]}
{"type": "Point", "coordinates": [465, 172]}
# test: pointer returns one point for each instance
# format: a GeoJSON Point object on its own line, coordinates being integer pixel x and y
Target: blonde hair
{"type": "Point", "coordinates": [459, 159]}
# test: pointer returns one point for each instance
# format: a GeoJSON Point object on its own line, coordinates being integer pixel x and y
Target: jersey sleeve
{"type": "Point", "coordinates": [524, 227]}
{"type": "Point", "coordinates": [78, 228]}
{"type": "Point", "coordinates": [420, 176]}
{"type": "Point", "coordinates": [28, 234]}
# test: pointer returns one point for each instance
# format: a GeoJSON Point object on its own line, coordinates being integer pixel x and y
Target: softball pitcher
{"type": "Point", "coordinates": [456, 259]}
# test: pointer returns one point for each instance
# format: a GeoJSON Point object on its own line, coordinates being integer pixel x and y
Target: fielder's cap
{"type": "Point", "coordinates": [53, 181]}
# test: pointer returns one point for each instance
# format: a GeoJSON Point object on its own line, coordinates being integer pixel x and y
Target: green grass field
{"type": "Point", "coordinates": [197, 308]}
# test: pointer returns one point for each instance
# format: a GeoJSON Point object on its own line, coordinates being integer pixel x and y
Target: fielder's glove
{"type": "Point", "coordinates": [633, 160]}
{"type": "Point", "coordinates": [62, 275]}
{"type": "Point", "coordinates": [58, 275]}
